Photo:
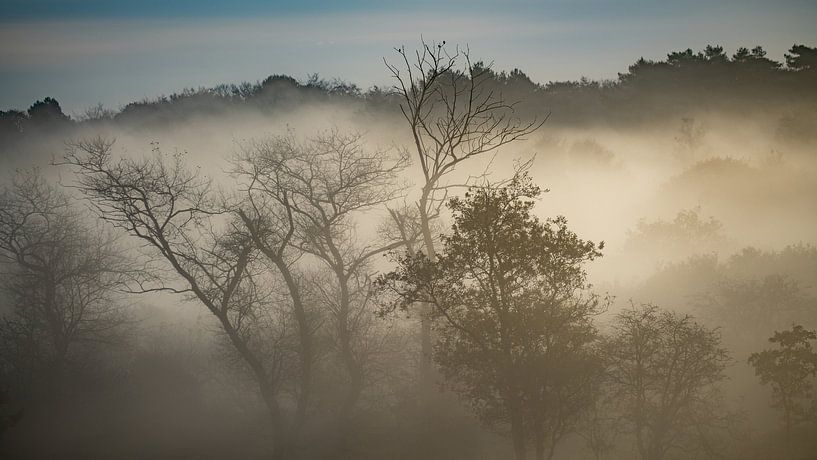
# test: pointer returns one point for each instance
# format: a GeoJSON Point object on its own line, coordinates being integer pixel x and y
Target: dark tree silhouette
{"type": "Point", "coordinates": [790, 369]}
{"type": "Point", "coordinates": [61, 277]}
{"type": "Point", "coordinates": [453, 117]}
{"type": "Point", "coordinates": [666, 368]}
{"type": "Point", "coordinates": [801, 57]}
{"type": "Point", "coordinates": [173, 212]}
{"type": "Point", "coordinates": [510, 296]}
{"type": "Point", "coordinates": [45, 111]}
{"type": "Point", "coordinates": [318, 188]}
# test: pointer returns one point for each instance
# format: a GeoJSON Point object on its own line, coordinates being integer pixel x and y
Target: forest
{"type": "Point", "coordinates": [466, 264]}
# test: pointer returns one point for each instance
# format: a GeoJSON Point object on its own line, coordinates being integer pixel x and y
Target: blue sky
{"type": "Point", "coordinates": [117, 51]}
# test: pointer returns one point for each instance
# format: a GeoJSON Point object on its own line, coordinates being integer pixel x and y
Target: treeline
{"type": "Point", "coordinates": [685, 82]}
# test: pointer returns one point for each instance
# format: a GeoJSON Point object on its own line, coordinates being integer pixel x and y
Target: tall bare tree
{"type": "Point", "coordinates": [453, 116]}
{"type": "Point", "coordinates": [323, 186]}
{"type": "Point", "coordinates": [267, 209]}
{"type": "Point", "coordinates": [173, 212]}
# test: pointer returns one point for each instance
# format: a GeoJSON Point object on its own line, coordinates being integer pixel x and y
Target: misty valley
{"type": "Point", "coordinates": [465, 264]}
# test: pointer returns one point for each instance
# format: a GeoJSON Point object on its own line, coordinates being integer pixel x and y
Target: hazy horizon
{"type": "Point", "coordinates": [86, 53]}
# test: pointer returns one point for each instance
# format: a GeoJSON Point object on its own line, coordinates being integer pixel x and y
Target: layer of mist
{"type": "Point", "coordinates": [699, 174]}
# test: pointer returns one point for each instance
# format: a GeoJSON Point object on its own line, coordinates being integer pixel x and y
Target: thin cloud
{"type": "Point", "coordinates": [84, 61]}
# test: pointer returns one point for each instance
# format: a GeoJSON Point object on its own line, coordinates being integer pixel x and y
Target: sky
{"type": "Point", "coordinates": [113, 52]}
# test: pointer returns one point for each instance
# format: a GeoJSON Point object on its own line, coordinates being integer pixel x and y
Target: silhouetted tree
{"type": "Point", "coordinates": [453, 117]}
{"type": "Point", "coordinates": [45, 111]}
{"type": "Point", "coordinates": [801, 57]}
{"type": "Point", "coordinates": [665, 369]}
{"type": "Point", "coordinates": [61, 276]}
{"type": "Point", "coordinates": [510, 294]}
{"type": "Point", "coordinates": [319, 187]}
{"type": "Point", "coordinates": [173, 212]}
{"type": "Point", "coordinates": [790, 369]}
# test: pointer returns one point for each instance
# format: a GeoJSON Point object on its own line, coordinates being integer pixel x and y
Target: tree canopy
{"type": "Point", "coordinates": [514, 311]}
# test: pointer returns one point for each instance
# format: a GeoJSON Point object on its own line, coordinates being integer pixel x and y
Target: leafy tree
{"type": "Point", "coordinates": [563, 384]}
{"type": "Point", "coordinates": [510, 294]}
{"type": "Point", "coordinates": [47, 110]}
{"type": "Point", "coordinates": [665, 368]}
{"type": "Point", "coordinates": [801, 57]}
{"type": "Point", "coordinates": [453, 117]}
{"type": "Point", "coordinates": [741, 55]}
{"type": "Point", "coordinates": [789, 368]}
{"type": "Point", "coordinates": [755, 307]}
{"type": "Point", "coordinates": [688, 231]}
{"type": "Point", "coordinates": [715, 53]}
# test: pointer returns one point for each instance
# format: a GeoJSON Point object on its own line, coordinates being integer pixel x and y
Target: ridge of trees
{"type": "Point", "coordinates": [748, 76]}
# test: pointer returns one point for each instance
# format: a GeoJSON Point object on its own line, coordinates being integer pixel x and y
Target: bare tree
{"type": "Point", "coordinates": [61, 276]}
{"type": "Point", "coordinates": [322, 186]}
{"type": "Point", "coordinates": [172, 211]}
{"type": "Point", "coordinates": [453, 117]}
{"type": "Point", "coordinates": [267, 210]}
{"type": "Point", "coordinates": [403, 225]}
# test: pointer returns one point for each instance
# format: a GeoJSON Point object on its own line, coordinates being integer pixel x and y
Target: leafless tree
{"type": "Point", "coordinates": [403, 225]}
{"type": "Point", "coordinates": [173, 212]}
{"type": "Point", "coordinates": [266, 208]}
{"type": "Point", "coordinates": [453, 116]}
{"type": "Point", "coordinates": [323, 186]}
{"type": "Point", "coordinates": [61, 276]}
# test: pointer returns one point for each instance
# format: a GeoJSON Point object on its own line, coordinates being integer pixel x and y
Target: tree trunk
{"type": "Point", "coordinates": [539, 440]}
{"type": "Point", "coordinates": [354, 369]}
{"type": "Point", "coordinates": [281, 436]}
{"type": "Point", "coordinates": [426, 367]}
{"type": "Point", "coordinates": [518, 438]}
{"type": "Point", "coordinates": [551, 451]}
{"type": "Point", "coordinates": [517, 427]}
{"type": "Point", "coordinates": [307, 353]}
{"type": "Point", "coordinates": [307, 356]}
{"type": "Point", "coordinates": [787, 409]}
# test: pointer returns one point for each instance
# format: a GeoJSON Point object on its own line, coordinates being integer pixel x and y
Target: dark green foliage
{"type": "Point", "coordinates": [46, 111]}
{"type": "Point", "coordinates": [801, 57]}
